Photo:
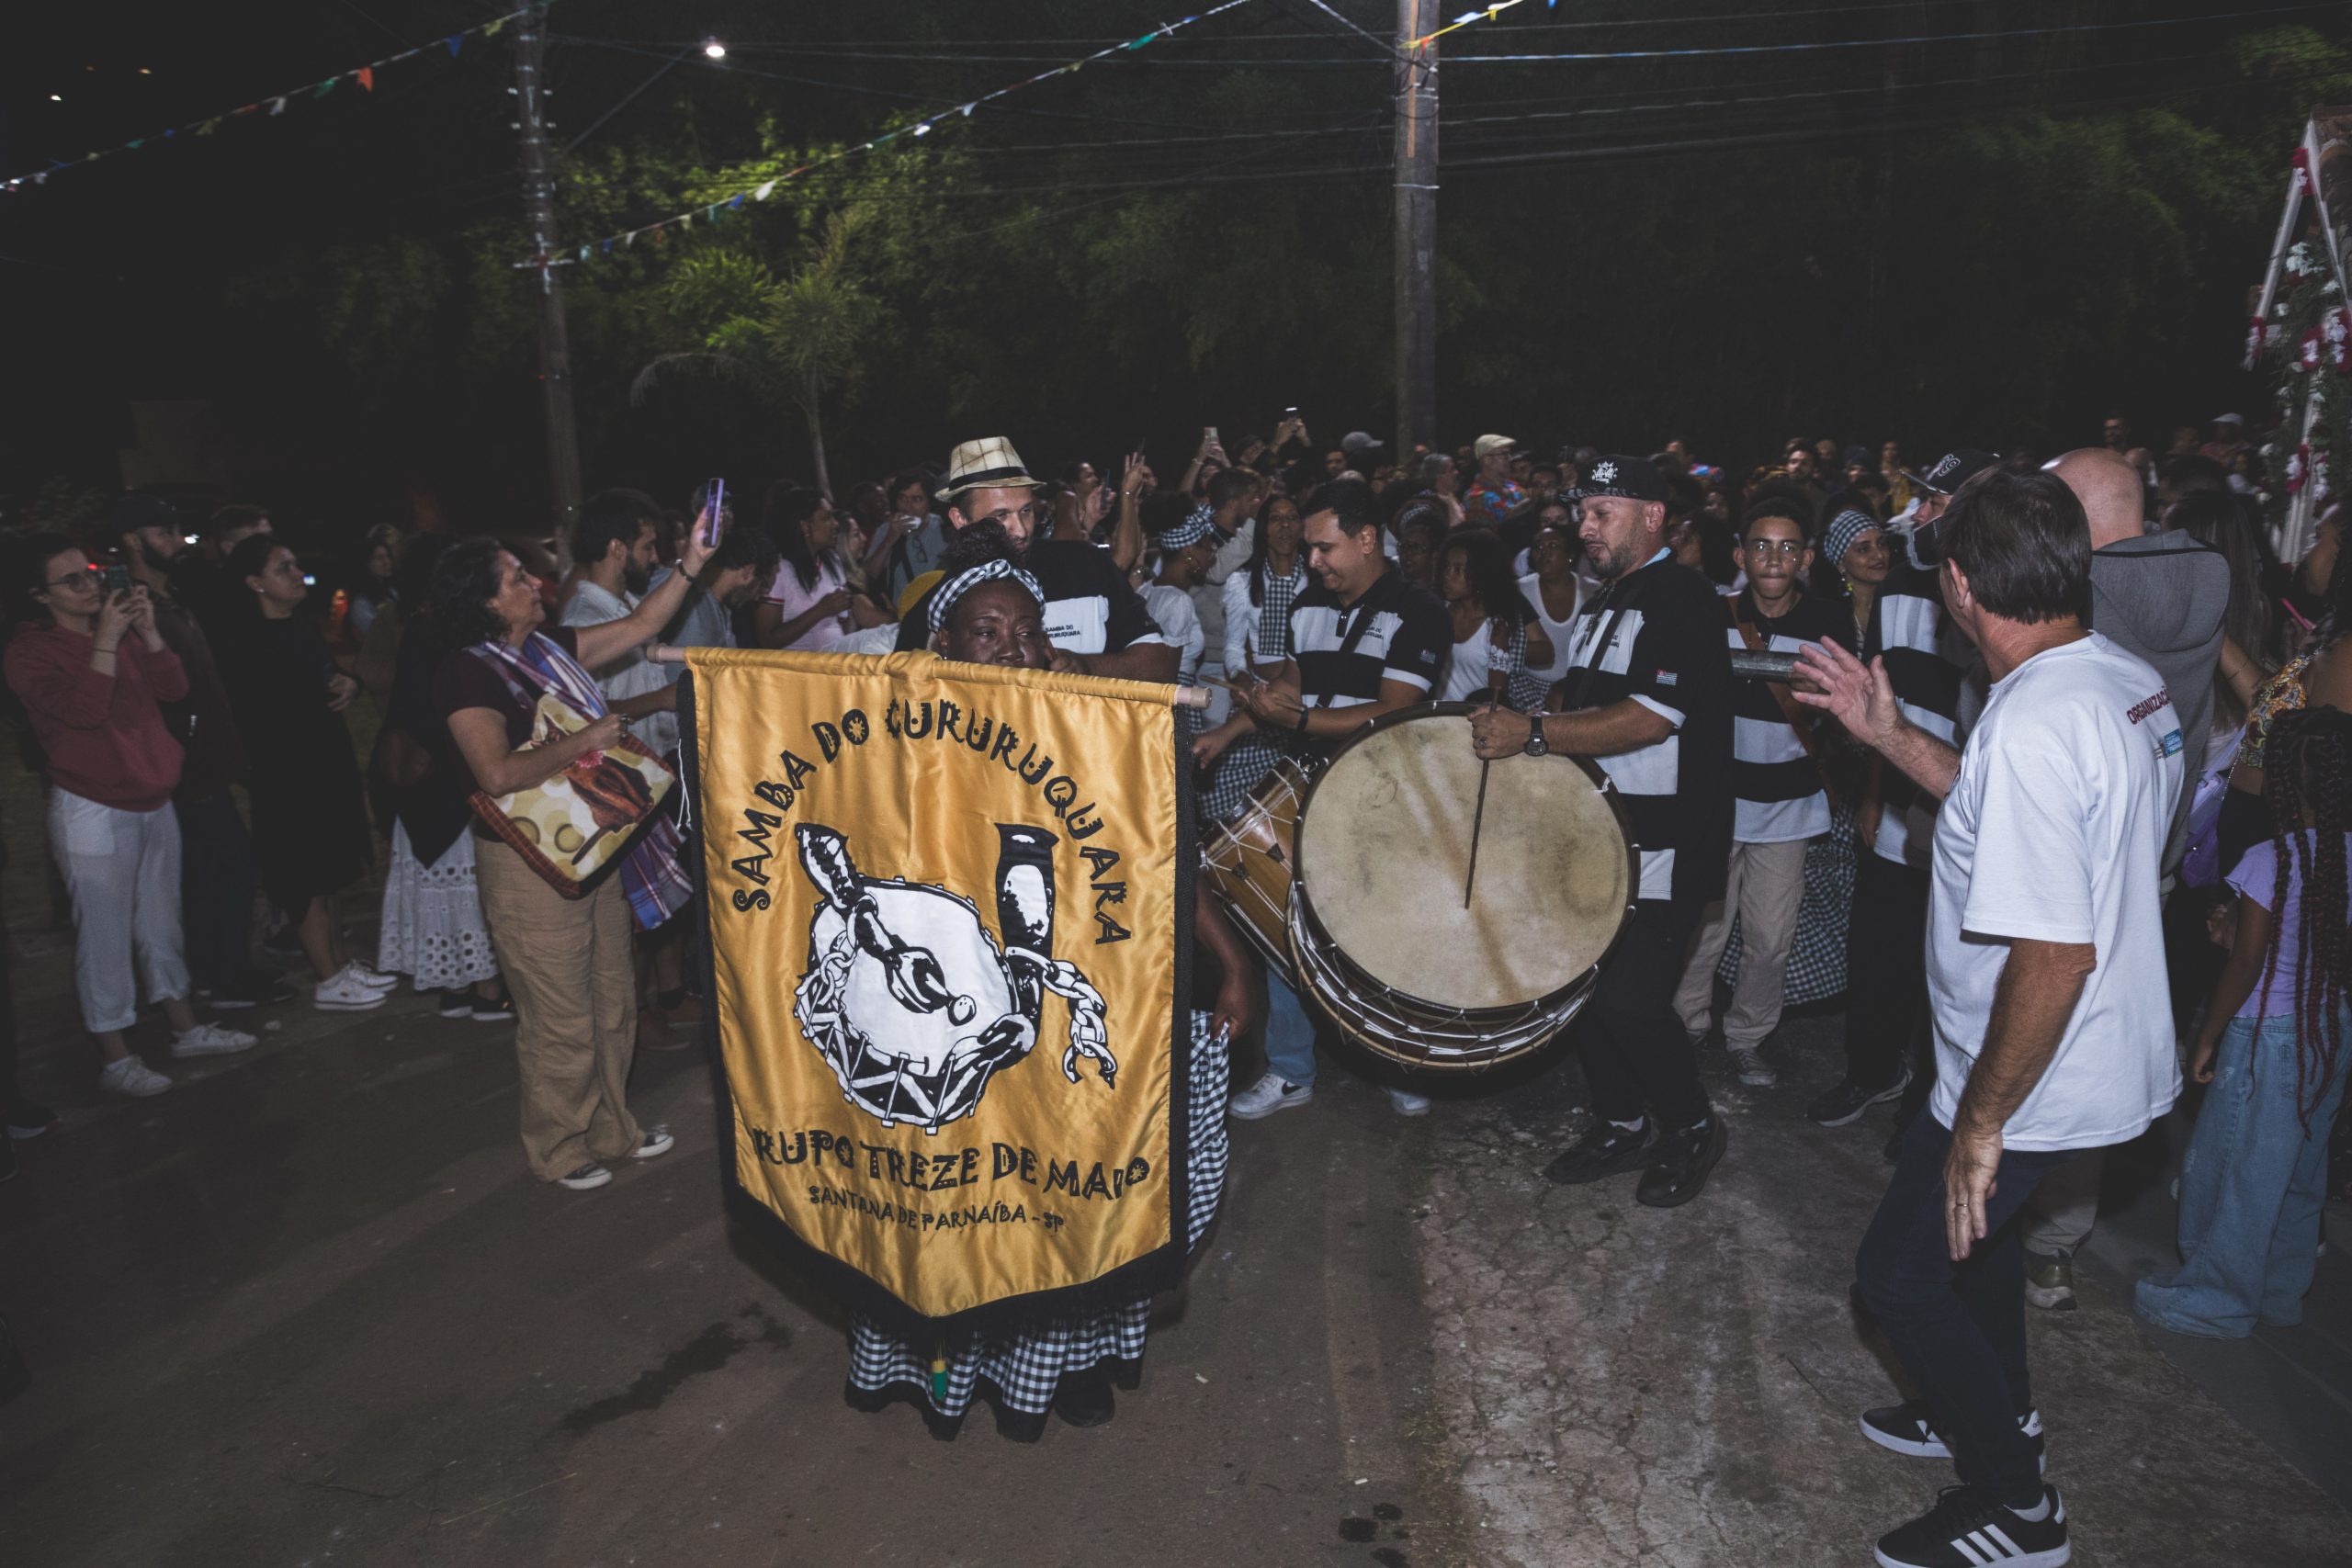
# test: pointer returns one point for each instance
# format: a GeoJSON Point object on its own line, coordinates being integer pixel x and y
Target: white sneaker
{"type": "Point", "coordinates": [1407, 1103]}
{"type": "Point", "coordinates": [347, 994]}
{"type": "Point", "coordinates": [1752, 1068]}
{"type": "Point", "coordinates": [211, 1040]}
{"type": "Point", "coordinates": [134, 1078]}
{"type": "Point", "coordinates": [375, 979]}
{"type": "Point", "coordinates": [586, 1177]}
{"type": "Point", "coordinates": [657, 1141]}
{"type": "Point", "coordinates": [1268, 1095]}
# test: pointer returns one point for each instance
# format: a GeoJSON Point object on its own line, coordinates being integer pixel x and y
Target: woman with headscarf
{"type": "Point", "coordinates": [988, 611]}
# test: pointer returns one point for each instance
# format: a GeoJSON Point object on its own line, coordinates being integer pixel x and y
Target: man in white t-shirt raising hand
{"type": "Point", "coordinates": [2046, 977]}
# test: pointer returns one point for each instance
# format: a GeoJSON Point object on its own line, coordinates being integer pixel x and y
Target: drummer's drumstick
{"type": "Point", "coordinates": [1495, 680]}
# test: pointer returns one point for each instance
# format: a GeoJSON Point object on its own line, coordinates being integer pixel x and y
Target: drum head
{"type": "Point", "coordinates": [1384, 845]}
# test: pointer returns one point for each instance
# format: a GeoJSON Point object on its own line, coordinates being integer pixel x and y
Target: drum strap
{"type": "Point", "coordinates": [1376, 598]}
{"type": "Point", "coordinates": [1735, 606]}
{"type": "Point", "coordinates": [1615, 595]}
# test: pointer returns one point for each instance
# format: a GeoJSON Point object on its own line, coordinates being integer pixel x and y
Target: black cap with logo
{"type": "Point", "coordinates": [1634, 479]}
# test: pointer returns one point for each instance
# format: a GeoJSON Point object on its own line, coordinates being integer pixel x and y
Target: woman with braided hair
{"type": "Point", "coordinates": [2272, 1048]}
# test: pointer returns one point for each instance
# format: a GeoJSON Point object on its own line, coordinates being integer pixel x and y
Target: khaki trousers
{"type": "Point", "coordinates": [574, 979]}
{"type": "Point", "coordinates": [1765, 887]}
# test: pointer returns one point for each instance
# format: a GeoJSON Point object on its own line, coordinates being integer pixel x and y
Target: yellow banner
{"type": "Point", "coordinates": [944, 917]}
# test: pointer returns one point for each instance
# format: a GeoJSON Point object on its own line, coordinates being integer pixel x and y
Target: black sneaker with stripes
{"type": "Point", "coordinates": [1907, 1429]}
{"type": "Point", "coordinates": [1969, 1527]}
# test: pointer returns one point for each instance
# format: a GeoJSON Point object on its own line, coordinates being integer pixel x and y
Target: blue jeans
{"type": "Point", "coordinates": [1959, 1328]}
{"type": "Point", "coordinates": [2250, 1190]}
{"type": "Point", "coordinates": [1290, 1032]}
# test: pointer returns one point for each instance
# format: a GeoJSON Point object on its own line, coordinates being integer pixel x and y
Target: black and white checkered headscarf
{"type": "Point", "coordinates": [943, 599]}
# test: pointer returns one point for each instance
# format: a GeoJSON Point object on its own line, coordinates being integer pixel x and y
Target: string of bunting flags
{"type": "Point", "coordinates": [1486, 15]}
{"type": "Point", "coordinates": [270, 106]}
{"type": "Point", "coordinates": [710, 213]}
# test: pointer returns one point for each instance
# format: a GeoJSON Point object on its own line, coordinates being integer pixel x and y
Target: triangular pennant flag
{"type": "Point", "coordinates": [167, 136]}
{"type": "Point", "coordinates": [607, 248]}
{"type": "Point", "coordinates": [763, 192]}
{"type": "Point", "coordinates": [366, 77]}
{"type": "Point", "coordinates": [209, 127]}
{"type": "Point", "coordinates": [968, 109]}
{"type": "Point", "coordinates": [628, 239]}
{"type": "Point", "coordinates": [277, 106]}
{"type": "Point", "coordinates": [684, 220]}
{"type": "Point", "coordinates": [135, 146]}
{"type": "Point", "coordinates": [247, 109]}
{"type": "Point", "coordinates": [738, 201]}
{"type": "Point", "coordinates": [711, 212]}
{"type": "Point", "coordinates": [659, 236]}
{"type": "Point", "coordinates": [323, 88]}
{"type": "Point", "coordinates": [583, 252]}
{"type": "Point", "coordinates": [455, 42]}
{"type": "Point", "coordinates": [492, 29]}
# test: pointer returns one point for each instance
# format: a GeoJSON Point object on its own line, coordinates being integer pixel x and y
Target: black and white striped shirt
{"type": "Point", "coordinates": [1925, 660]}
{"type": "Point", "coordinates": [1775, 783]}
{"type": "Point", "coordinates": [1655, 637]}
{"type": "Point", "coordinates": [1395, 630]}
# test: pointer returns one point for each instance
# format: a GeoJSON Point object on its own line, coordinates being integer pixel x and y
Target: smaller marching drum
{"type": "Point", "coordinates": [1353, 880]}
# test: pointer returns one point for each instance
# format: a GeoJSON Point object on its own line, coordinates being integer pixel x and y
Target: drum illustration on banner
{"type": "Point", "coordinates": [909, 1001]}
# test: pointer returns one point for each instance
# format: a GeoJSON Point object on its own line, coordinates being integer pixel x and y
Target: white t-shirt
{"type": "Point", "coordinates": [630, 676]}
{"type": "Point", "coordinates": [2054, 831]}
{"type": "Point", "coordinates": [1172, 609]}
{"type": "Point", "coordinates": [794, 602]}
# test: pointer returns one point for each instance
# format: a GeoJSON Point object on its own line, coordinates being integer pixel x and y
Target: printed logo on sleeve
{"type": "Point", "coordinates": [1666, 678]}
{"type": "Point", "coordinates": [2147, 706]}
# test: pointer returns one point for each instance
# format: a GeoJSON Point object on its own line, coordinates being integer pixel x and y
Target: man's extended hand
{"type": "Point", "coordinates": [1968, 1187]}
{"type": "Point", "coordinates": [1500, 731]}
{"type": "Point", "coordinates": [1858, 696]}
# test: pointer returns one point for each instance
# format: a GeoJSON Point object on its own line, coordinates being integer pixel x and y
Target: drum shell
{"type": "Point", "coordinates": [1248, 860]}
{"type": "Point", "coordinates": [1417, 1031]}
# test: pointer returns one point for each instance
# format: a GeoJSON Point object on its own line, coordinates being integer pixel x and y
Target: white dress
{"type": "Point", "coordinates": [433, 928]}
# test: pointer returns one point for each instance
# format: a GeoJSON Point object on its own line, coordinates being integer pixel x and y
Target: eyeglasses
{"type": "Point", "coordinates": [87, 577]}
{"type": "Point", "coordinates": [1792, 548]}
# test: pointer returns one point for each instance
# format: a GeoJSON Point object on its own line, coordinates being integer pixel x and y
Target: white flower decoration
{"type": "Point", "coordinates": [1605, 473]}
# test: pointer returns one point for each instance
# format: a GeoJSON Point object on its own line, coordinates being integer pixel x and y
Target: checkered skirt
{"type": "Point", "coordinates": [1817, 957]}
{"type": "Point", "coordinates": [1024, 1362]}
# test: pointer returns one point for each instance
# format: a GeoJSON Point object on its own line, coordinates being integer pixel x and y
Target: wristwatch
{"type": "Point", "coordinates": [1535, 747]}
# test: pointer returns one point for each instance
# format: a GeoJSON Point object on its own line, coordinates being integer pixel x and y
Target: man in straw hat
{"type": "Point", "coordinates": [1096, 621]}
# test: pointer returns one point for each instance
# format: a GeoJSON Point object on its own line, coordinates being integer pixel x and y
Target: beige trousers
{"type": "Point", "coordinates": [569, 964]}
{"type": "Point", "coordinates": [1765, 886]}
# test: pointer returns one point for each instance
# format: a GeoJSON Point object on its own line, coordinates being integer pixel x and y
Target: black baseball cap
{"type": "Point", "coordinates": [136, 509]}
{"type": "Point", "coordinates": [1634, 479]}
{"type": "Point", "coordinates": [1953, 469]}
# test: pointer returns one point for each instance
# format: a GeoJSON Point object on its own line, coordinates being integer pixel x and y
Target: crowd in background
{"type": "Point", "coordinates": [165, 666]}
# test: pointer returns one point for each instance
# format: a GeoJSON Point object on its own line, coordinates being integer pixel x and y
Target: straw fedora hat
{"type": "Point", "coordinates": [990, 462]}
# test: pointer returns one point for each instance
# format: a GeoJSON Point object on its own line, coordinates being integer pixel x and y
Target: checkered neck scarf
{"type": "Point", "coordinates": [1275, 595]}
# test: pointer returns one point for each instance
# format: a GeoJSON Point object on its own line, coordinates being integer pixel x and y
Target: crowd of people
{"type": "Point", "coordinates": [2058, 792]}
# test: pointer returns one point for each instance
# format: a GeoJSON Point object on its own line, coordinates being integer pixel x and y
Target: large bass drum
{"type": "Point", "coordinates": [1378, 926]}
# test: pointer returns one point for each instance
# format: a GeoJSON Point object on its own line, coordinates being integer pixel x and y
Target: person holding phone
{"type": "Point", "coordinates": [811, 607]}
{"type": "Point", "coordinates": [91, 671]}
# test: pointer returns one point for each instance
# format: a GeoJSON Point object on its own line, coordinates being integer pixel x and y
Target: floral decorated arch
{"type": "Point", "coordinates": [2301, 331]}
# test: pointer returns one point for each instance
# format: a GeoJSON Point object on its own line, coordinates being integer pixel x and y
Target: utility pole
{"type": "Point", "coordinates": [1415, 226]}
{"type": "Point", "coordinates": [539, 207]}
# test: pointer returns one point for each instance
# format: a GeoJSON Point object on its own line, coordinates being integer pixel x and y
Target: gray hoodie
{"type": "Point", "coordinates": [2162, 597]}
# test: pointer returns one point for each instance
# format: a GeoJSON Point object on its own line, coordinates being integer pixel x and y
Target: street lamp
{"type": "Point", "coordinates": [714, 49]}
